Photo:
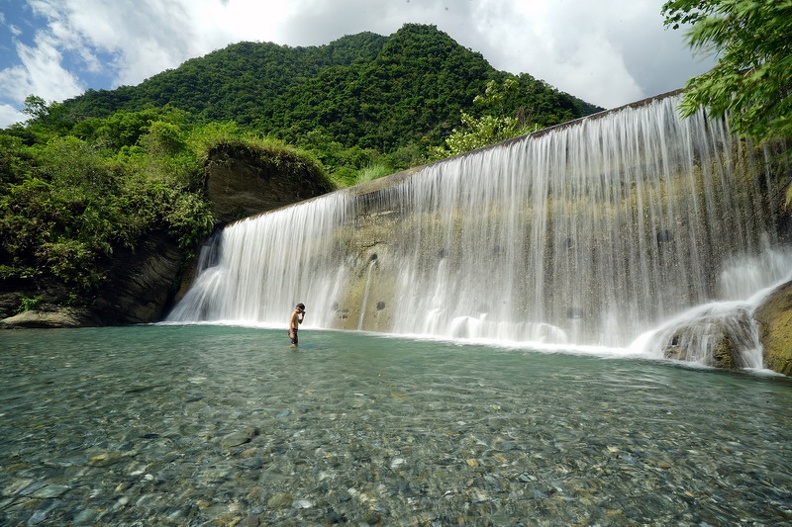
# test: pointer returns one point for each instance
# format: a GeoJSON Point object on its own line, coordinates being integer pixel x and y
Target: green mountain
{"type": "Point", "coordinates": [364, 90]}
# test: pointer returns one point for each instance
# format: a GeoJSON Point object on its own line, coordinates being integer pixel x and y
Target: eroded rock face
{"type": "Point", "coordinates": [775, 329]}
{"type": "Point", "coordinates": [49, 306]}
{"type": "Point", "coordinates": [243, 182]}
{"type": "Point", "coordinates": [141, 284]}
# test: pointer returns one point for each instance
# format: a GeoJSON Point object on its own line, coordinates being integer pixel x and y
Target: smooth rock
{"type": "Point", "coordinates": [238, 438]}
{"type": "Point", "coordinates": [51, 491]}
{"type": "Point", "coordinates": [43, 319]}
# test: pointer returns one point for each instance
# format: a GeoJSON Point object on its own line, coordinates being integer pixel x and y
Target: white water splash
{"type": "Point", "coordinates": [589, 234]}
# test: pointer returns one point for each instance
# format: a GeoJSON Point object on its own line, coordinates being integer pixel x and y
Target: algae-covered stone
{"type": "Point", "coordinates": [775, 329]}
{"type": "Point", "coordinates": [67, 318]}
{"type": "Point", "coordinates": [724, 354]}
{"type": "Point", "coordinates": [713, 338]}
{"type": "Point", "coordinates": [279, 501]}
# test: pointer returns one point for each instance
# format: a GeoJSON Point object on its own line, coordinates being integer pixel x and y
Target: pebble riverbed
{"type": "Point", "coordinates": [226, 426]}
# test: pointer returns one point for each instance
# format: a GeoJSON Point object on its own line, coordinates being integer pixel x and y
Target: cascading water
{"type": "Point", "coordinates": [366, 291]}
{"type": "Point", "coordinates": [265, 264]}
{"type": "Point", "coordinates": [592, 232]}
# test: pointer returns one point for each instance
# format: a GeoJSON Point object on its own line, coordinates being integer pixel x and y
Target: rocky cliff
{"type": "Point", "coordinates": [243, 181]}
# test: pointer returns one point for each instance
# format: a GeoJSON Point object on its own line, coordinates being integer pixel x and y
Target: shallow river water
{"type": "Point", "coordinates": [219, 425]}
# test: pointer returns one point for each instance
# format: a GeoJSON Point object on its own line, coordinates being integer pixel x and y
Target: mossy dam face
{"type": "Point", "coordinates": [588, 233]}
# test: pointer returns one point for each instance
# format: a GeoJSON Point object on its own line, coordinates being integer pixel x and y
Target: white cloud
{"type": "Point", "coordinates": [608, 52]}
{"type": "Point", "coordinates": [219, 23]}
{"type": "Point", "coordinates": [10, 115]}
{"type": "Point", "coordinates": [40, 72]}
{"type": "Point", "coordinates": [126, 39]}
{"type": "Point", "coordinates": [321, 21]}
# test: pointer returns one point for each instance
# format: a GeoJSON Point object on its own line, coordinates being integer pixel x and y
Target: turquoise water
{"type": "Point", "coordinates": [218, 425]}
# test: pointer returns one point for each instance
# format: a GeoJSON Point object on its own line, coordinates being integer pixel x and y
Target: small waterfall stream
{"type": "Point", "coordinates": [366, 291]}
{"type": "Point", "coordinates": [594, 232]}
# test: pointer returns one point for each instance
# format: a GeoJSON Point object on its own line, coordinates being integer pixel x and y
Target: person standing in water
{"type": "Point", "coordinates": [297, 317]}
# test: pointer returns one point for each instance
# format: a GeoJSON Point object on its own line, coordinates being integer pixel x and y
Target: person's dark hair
{"type": "Point", "coordinates": [301, 306]}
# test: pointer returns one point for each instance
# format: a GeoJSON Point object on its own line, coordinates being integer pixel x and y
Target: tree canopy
{"type": "Point", "coordinates": [752, 80]}
{"type": "Point", "coordinates": [389, 95]}
{"type": "Point", "coordinates": [494, 126]}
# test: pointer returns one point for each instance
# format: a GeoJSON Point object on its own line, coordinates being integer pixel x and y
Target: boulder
{"type": "Point", "coordinates": [721, 338]}
{"type": "Point", "coordinates": [65, 318]}
{"type": "Point", "coordinates": [711, 346]}
{"type": "Point", "coordinates": [775, 329]}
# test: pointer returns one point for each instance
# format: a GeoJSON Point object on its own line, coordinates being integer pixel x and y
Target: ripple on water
{"type": "Point", "coordinates": [190, 425]}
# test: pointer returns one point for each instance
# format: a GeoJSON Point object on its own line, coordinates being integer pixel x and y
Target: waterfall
{"type": "Point", "coordinates": [593, 232]}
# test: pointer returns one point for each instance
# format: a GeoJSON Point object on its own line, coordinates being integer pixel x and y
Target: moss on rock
{"type": "Point", "coordinates": [775, 320]}
{"type": "Point", "coordinates": [723, 354]}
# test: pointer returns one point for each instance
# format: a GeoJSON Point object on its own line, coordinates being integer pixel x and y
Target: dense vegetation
{"type": "Point", "coordinates": [752, 81]}
{"type": "Point", "coordinates": [84, 178]}
{"type": "Point", "coordinates": [362, 100]}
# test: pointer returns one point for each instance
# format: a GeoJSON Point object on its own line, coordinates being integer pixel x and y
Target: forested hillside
{"type": "Point", "coordinates": [395, 95]}
{"type": "Point", "coordinates": [234, 83]}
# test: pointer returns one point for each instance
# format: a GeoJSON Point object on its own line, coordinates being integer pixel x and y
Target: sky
{"type": "Point", "coordinates": [606, 52]}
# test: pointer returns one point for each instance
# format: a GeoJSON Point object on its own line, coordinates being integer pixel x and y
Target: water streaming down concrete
{"type": "Point", "coordinates": [588, 233]}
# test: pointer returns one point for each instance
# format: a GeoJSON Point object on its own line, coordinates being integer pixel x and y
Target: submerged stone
{"type": "Point", "coordinates": [238, 438]}
{"type": "Point", "coordinates": [51, 491]}
{"type": "Point", "coordinates": [279, 501]}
